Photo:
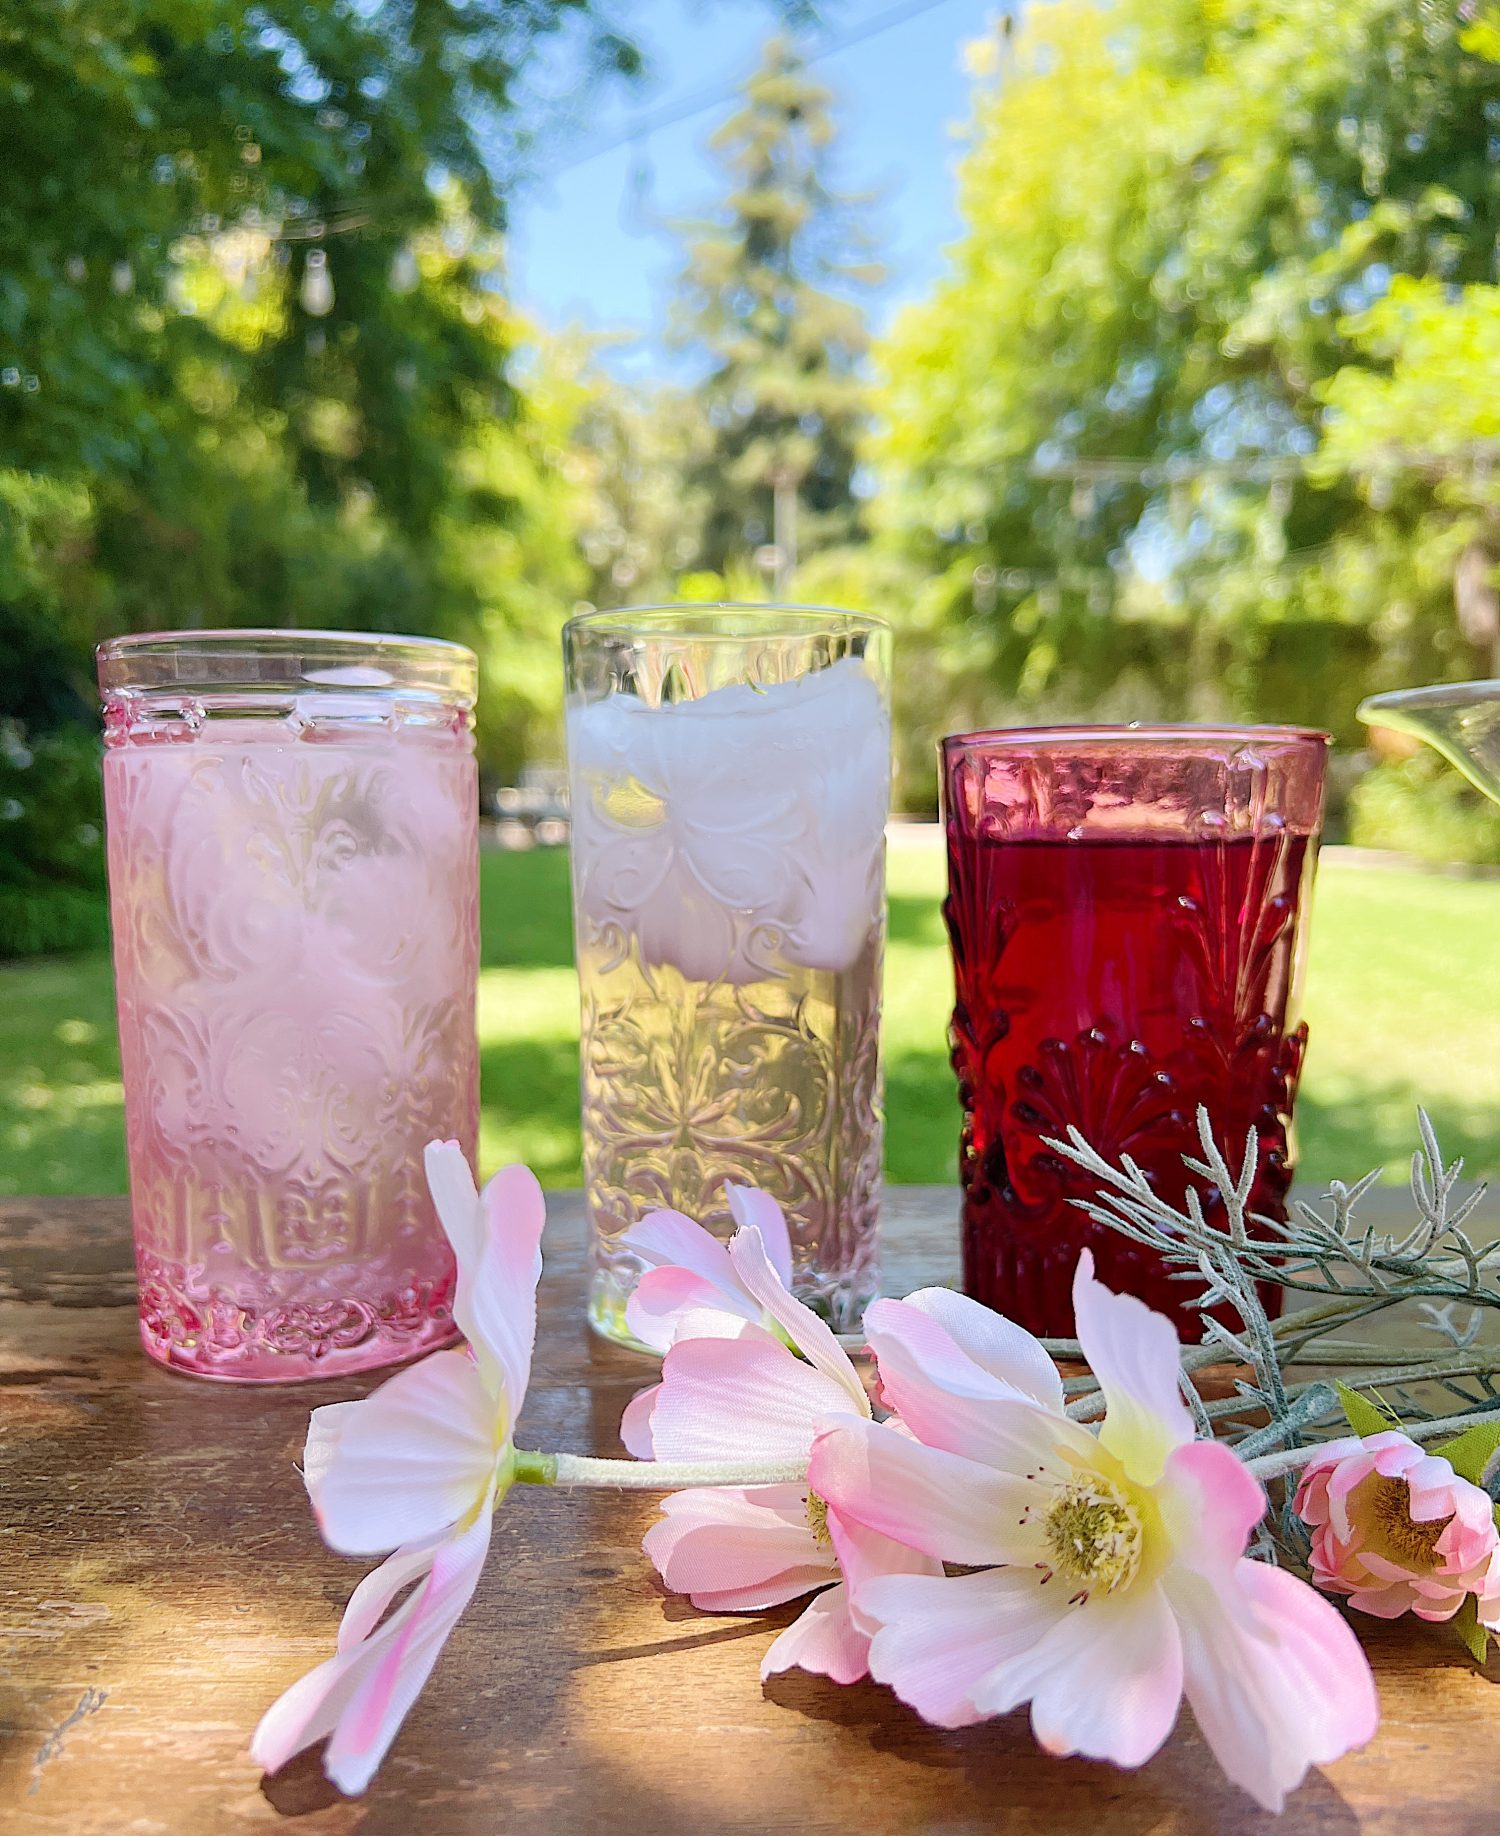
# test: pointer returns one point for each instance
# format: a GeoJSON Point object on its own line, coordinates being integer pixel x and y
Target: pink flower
{"type": "Point", "coordinates": [418, 1467]}
{"type": "Point", "coordinates": [692, 1288]}
{"type": "Point", "coordinates": [742, 1549]}
{"type": "Point", "coordinates": [1398, 1531]}
{"type": "Point", "coordinates": [764, 1396]}
{"type": "Point", "coordinates": [689, 1269]}
{"type": "Point", "coordinates": [1114, 1574]}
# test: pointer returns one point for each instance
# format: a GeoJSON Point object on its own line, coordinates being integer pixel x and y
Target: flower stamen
{"type": "Point", "coordinates": [1388, 1504]}
{"type": "Point", "coordinates": [817, 1520]}
{"type": "Point", "coordinates": [1093, 1533]}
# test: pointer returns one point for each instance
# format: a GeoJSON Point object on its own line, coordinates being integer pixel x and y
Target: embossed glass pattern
{"type": "Point", "coordinates": [1128, 909]}
{"type": "Point", "coordinates": [292, 829]}
{"type": "Point", "coordinates": [730, 779]}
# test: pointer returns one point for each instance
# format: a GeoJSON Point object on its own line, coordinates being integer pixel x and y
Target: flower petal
{"type": "Point", "coordinates": [832, 1638]}
{"type": "Point", "coordinates": [948, 1507]}
{"type": "Point", "coordinates": [371, 1600]}
{"type": "Point", "coordinates": [997, 1345]}
{"type": "Point", "coordinates": [1105, 1681]}
{"type": "Point", "coordinates": [455, 1198]}
{"type": "Point", "coordinates": [937, 1638]}
{"type": "Point", "coordinates": [663, 1298]}
{"type": "Point", "coordinates": [949, 1401]}
{"type": "Point", "coordinates": [1136, 1357]}
{"type": "Point", "coordinates": [865, 1555]}
{"type": "Point", "coordinates": [665, 1239]}
{"type": "Point", "coordinates": [738, 1549]}
{"type": "Point", "coordinates": [1276, 1678]}
{"type": "Point", "coordinates": [810, 1335]}
{"type": "Point", "coordinates": [407, 1461]}
{"type": "Point", "coordinates": [635, 1423]}
{"type": "Point", "coordinates": [362, 1694]}
{"type": "Point", "coordinates": [1210, 1503]}
{"type": "Point", "coordinates": [750, 1206]}
{"type": "Point", "coordinates": [824, 1640]}
{"type": "Point", "coordinates": [749, 1397]}
{"type": "Point", "coordinates": [495, 1305]}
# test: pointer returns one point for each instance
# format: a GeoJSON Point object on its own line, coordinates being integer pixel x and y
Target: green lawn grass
{"type": "Point", "coordinates": [1403, 1002]}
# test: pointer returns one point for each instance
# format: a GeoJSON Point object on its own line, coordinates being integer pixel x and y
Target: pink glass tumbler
{"type": "Point", "coordinates": [292, 831]}
{"type": "Point", "coordinates": [1128, 910]}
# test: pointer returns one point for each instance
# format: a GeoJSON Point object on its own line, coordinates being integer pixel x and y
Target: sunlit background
{"type": "Point", "coordinates": [1137, 359]}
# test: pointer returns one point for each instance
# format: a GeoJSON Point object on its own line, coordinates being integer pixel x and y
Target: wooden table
{"type": "Point", "coordinates": [161, 1581]}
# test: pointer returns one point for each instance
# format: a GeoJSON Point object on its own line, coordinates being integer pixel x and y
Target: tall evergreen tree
{"type": "Point", "coordinates": [769, 300]}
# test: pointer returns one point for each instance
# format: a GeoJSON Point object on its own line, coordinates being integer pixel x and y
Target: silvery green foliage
{"type": "Point", "coordinates": [1435, 1384]}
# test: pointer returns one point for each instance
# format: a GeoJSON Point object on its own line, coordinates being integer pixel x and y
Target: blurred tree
{"type": "Point", "coordinates": [256, 363]}
{"type": "Point", "coordinates": [51, 862]}
{"type": "Point", "coordinates": [1413, 424]}
{"type": "Point", "coordinates": [309, 155]}
{"type": "Point", "coordinates": [768, 301]}
{"type": "Point", "coordinates": [1097, 439]}
{"type": "Point", "coordinates": [638, 452]}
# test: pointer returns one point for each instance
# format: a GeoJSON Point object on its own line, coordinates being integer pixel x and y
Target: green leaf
{"type": "Point", "coordinates": [1474, 1637]}
{"type": "Point", "coordinates": [1472, 1451]}
{"type": "Point", "coordinates": [1364, 1416]}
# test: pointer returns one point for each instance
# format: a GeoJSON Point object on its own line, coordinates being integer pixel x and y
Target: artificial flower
{"type": "Point", "coordinates": [417, 1468]}
{"type": "Point", "coordinates": [1114, 1579]}
{"type": "Point", "coordinates": [763, 1396]}
{"type": "Point", "coordinates": [688, 1270]}
{"type": "Point", "coordinates": [1398, 1531]}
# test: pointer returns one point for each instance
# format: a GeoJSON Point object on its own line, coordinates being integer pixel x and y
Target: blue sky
{"type": "Point", "coordinates": [591, 244]}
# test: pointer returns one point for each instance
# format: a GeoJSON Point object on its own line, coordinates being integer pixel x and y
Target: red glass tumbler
{"type": "Point", "coordinates": [1128, 910]}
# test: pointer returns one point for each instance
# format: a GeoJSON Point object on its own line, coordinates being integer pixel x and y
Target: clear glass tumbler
{"type": "Point", "coordinates": [729, 770]}
{"type": "Point", "coordinates": [1128, 909]}
{"type": "Point", "coordinates": [292, 824]}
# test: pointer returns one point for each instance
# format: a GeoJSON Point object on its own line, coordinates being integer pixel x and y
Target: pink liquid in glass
{"type": "Point", "coordinates": [1118, 961]}
{"type": "Point", "coordinates": [295, 921]}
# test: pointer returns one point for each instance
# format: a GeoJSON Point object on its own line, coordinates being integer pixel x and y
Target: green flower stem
{"type": "Point", "coordinates": [652, 1475]}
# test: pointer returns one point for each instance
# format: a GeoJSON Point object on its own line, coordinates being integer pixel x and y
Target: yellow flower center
{"type": "Point", "coordinates": [817, 1520]}
{"type": "Point", "coordinates": [1382, 1508]}
{"type": "Point", "coordinates": [1093, 1533]}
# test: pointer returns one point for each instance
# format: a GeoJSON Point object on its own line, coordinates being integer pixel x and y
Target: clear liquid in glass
{"type": "Point", "coordinates": [728, 858]}
{"type": "Point", "coordinates": [773, 1083]}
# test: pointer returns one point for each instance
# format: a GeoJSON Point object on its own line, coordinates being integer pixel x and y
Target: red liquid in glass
{"type": "Point", "coordinates": [1114, 985]}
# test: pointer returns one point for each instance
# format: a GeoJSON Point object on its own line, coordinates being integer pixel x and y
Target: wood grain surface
{"type": "Point", "coordinates": [161, 1581]}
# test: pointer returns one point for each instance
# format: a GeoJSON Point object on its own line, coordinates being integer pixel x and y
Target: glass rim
{"type": "Point", "coordinates": [270, 637]}
{"type": "Point", "coordinates": [696, 619]}
{"type": "Point", "coordinates": [256, 657]}
{"type": "Point", "coordinates": [1184, 736]}
{"type": "Point", "coordinates": [1426, 696]}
